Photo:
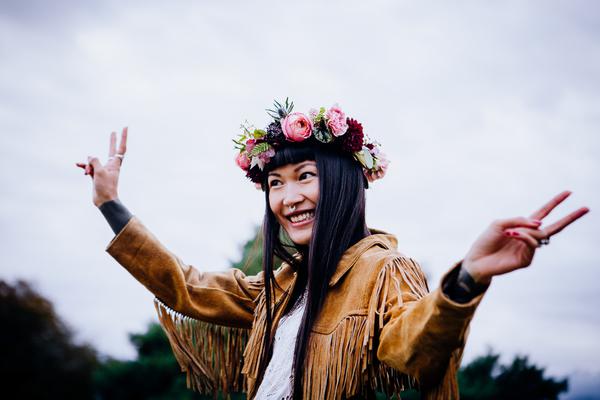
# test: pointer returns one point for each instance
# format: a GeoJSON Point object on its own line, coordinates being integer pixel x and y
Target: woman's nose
{"type": "Point", "coordinates": [292, 195]}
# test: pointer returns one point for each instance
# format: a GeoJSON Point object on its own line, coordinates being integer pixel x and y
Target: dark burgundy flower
{"type": "Point", "coordinates": [352, 140]}
{"type": "Point", "coordinates": [275, 134]}
{"type": "Point", "coordinates": [255, 174]}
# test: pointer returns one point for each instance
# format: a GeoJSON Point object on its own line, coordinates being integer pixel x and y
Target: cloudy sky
{"type": "Point", "coordinates": [486, 109]}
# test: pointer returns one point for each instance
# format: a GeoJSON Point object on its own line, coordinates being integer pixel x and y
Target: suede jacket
{"type": "Point", "coordinates": [380, 329]}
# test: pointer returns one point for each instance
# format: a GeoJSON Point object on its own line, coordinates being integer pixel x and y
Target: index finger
{"type": "Point", "coordinates": [548, 207]}
{"type": "Point", "coordinates": [113, 144]}
{"type": "Point", "coordinates": [565, 221]}
{"type": "Point", "coordinates": [123, 143]}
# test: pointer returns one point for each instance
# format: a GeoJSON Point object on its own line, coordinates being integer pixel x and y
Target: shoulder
{"type": "Point", "coordinates": [378, 261]}
{"type": "Point", "coordinates": [378, 256]}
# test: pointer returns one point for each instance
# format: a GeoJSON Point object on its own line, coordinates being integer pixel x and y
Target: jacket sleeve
{"type": "Point", "coordinates": [224, 298]}
{"type": "Point", "coordinates": [424, 333]}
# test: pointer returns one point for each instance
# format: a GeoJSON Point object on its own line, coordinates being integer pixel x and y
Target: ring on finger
{"type": "Point", "coordinates": [544, 241]}
{"type": "Point", "coordinates": [119, 156]}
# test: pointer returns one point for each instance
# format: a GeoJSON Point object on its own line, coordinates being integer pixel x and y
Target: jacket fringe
{"type": "Point", "coordinates": [254, 349]}
{"type": "Point", "coordinates": [209, 354]}
{"type": "Point", "coordinates": [340, 365]}
{"type": "Point", "coordinates": [448, 387]}
{"type": "Point", "coordinates": [408, 271]}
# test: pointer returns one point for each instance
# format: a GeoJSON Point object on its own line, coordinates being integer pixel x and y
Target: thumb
{"type": "Point", "coordinates": [95, 163]}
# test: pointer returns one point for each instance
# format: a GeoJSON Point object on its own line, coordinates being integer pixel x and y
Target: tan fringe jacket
{"type": "Point", "coordinates": [379, 328]}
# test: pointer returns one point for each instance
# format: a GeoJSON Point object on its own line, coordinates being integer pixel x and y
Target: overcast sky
{"type": "Point", "coordinates": [486, 110]}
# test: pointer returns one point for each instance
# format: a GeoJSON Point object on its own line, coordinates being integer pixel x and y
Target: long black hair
{"type": "Point", "coordinates": [339, 223]}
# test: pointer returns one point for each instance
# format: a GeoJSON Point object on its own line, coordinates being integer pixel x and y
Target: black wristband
{"type": "Point", "coordinates": [462, 288]}
{"type": "Point", "coordinates": [116, 214]}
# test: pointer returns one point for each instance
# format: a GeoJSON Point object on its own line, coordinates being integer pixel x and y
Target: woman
{"type": "Point", "coordinates": [345, 314]}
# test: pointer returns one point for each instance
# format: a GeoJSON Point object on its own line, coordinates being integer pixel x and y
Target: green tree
{"type": "Point", "coordinates": [39, 357]}
{"type": "Point", "coordinates": [251, 261]}
{"type": "Point", "coordinates": [252, 254]}
{"type": "Point", "coordinates": [485, 379]}
{"type": "Point", "coordinates": [153, 375]}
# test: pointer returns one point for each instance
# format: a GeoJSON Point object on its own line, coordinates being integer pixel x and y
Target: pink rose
{"type": "Point", "coordinates": [336, 121]}
{"type": "Point", "coordinates": [296, 127]}
{"type": "Point", "coordinates": [242, 161]}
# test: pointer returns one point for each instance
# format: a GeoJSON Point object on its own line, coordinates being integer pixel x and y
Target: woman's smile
{"type": "Point", "coordinates": [302, 218]}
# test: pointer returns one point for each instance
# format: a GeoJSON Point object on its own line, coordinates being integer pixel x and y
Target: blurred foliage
{"type": "Point", "coordinates": [252, 251]}
{"type": "Point", "coordinates": [39, 359]}
{"type": "Point", "coordinates": [485, 379]}
{"type": "Point", "coordinates": [153, 375]}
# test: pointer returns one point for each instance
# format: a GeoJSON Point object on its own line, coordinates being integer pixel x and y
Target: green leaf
{"type": "Point", "coordinates": [367, 157]}
{"type": "Point", "coordinates": [258, 133]}
{"type": "Point", "coordinates": [320, 116]}
{"type": "Point", "coordinates": [360, 158]}
{"type": "Point", "coordinates": [259, 148]}
{"type": "Point", "coordinates": [322, 135]}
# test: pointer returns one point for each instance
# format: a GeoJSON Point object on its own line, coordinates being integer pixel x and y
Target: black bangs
{"type": "Point", "coordinates": [290, 154]}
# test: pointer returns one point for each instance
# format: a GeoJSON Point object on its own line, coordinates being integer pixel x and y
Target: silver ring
{"type": "Point", "coordinates": [119, 156]}
{"type": "Point", "coordinates": [544, 241]}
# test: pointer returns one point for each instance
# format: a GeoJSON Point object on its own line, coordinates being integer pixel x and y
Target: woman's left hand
{"type": "Point", "coordinates": [510, 244]}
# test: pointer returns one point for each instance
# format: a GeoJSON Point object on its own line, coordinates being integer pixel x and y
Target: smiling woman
{"type": "Point", "coordinates": [346, 314]}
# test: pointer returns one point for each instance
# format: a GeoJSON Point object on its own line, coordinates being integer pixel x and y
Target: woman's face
{"type": "Point", "coordinates": [295, 185]}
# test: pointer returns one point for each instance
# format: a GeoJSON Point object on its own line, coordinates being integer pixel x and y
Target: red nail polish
{"type": "Point", "coordinates": [514, 233]}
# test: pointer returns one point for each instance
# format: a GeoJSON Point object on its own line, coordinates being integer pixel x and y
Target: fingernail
{"type": "Point", "coordinates": [515, 233]}
{"type": "Point", "coordinates": [537, 221]}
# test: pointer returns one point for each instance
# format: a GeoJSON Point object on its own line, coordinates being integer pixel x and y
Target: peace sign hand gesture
{"type": "Point", "coordinates": [510, 244]}
{"type": "Point", "coordinates": [106, 177]}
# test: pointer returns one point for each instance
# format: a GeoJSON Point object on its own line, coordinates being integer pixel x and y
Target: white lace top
{"type": "Point", "coordinates": [278, 379]}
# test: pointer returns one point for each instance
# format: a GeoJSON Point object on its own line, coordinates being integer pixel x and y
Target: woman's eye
{"type": "Point", "coordinates": [274, 182]}
{"type": "Point", "coordinates": [307, 174]}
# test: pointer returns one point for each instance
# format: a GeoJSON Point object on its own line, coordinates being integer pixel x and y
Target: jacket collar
{"type": "Point", "coordinates": [350, 257]}
{"type": "Point", "coordinates": [353, 253]}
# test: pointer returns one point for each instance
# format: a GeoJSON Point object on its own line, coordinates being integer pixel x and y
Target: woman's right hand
{"type": "Point", "coordinates": [106, 177]}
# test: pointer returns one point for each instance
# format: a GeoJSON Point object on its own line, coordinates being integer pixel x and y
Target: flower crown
{"type": "Point", "coordinates": [330, 127]}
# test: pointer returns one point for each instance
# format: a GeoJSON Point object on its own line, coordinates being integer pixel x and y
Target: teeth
{"type": "Point", "coordinates": [302, 217]}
